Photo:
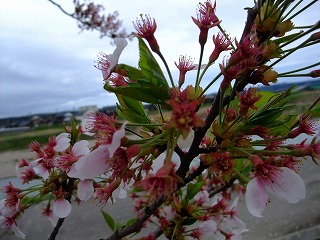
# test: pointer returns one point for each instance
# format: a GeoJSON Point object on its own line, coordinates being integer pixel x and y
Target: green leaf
{"type": "Point", "coordinates": [239, 163]}
{"type": "Point", "coordinates": [133, 105]}
{"type": "Point", "coordinates": [109, 220]}
{"type": "Point", "coordinates": [150, 67]}
{"type": "Point", "coordinates": [188, 221]}
{"type": "Point", "coordinates": [130, 221]}
{"type": "Point", "coordinates": [132, 73]}
{"type": "Point", "coordinates": [35, 199]}
{"type": "Point", "coordinates": [193, 189]}
{"type": "Point", "coordinates": [145, 92]}
{"type": "Point", "coordinates": [315, 112]}
{"type": "Point", "coordinates": [246, 170]}
{"type": "Point", "coordinates": [266, 118]}
{"type": "Point", "coordinates": [148, 84]}
{"type": "Point", "coordinates": [287, 38]}
{"type": "Point", "coordinates": [131, 110]}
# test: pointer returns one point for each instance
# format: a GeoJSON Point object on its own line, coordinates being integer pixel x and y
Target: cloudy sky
{"type": "Point", "coordinates": [47, 66]}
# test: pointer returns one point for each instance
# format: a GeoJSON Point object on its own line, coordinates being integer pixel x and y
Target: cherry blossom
{"type": "Point", "coordinates": [107, 63]}
{"type": "Point", "coordinates": [146, 28]}
{"type": "Point", "coordinates": [269, 180]}
{"type": "Point", "coordinates": [306, 126]}
{"type": "Point", "coordinates": [62, 142]}
{"type": "Point", "coordinates": [61, 207]}
{"type": "Point", "coordinates": [79, 149]}
{"type": "Point", "coordinates": [95, 163]}
{"type": "Point", "coordinates": [10, 223]}
{"type": "Point", "coordinates": [206, 19]}
{"type": "Point", "coordinates": [85, 189]}
{"type": "Point", "coordinates": [185, 64]}
{"type": "Point", "coordinates": [164, 181]}
{"type": "Point", "coordinates": [247, 99]}
{"type": "Point", "coordinates": [50, 215]}
{"type": "Point", "coordinates": [221, 43]}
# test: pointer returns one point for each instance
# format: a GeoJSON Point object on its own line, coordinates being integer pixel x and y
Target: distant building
{"type": "Point", "coordinates": [84, 110]}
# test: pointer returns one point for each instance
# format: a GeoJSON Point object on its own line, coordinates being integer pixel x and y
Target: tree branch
{"type": "Point", "coordinates": [56, 229]}
{"type": "Point", "coordinates": [69, 189]}
{"type": "Point", "coordinates": [90, 19]}
{"type": "Point", "coordinates": [64, 11]}
{"type": "Point", "coordinates": [194, 151]}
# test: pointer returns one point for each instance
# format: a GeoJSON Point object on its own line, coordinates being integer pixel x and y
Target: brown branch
{"type": "Point", "coordinates": [194, 151]}
{"type": "Point", "coordinates": [110, 30]}
{"type": "Point", "coordinates": [69, 189]}
{"type": "Point", "coordinates": [56, 229]}
{"type": "Point", "coordinates": [64, 11]}
{"type": "Point", "coordinates": [136, 226]}
{"type": "Point", "coordinates": [222, 188]}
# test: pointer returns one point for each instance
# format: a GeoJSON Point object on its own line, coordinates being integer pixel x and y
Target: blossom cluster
{"type": "Point", "coordinates": [184, 168]}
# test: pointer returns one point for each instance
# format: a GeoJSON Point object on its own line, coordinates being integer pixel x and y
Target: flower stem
{"type": "Point", "coordinates": [199, 67]}
{"type": "Point", "coordinates": [298, 70]}
{"type": "Point", "coordinates": [209, 85]}
{"type": "Point", "coordinates": [302, 9]}
{"type": "Point", "coordinates": [168, 70]}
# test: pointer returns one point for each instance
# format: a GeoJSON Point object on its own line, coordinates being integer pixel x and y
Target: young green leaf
{"type": "Point", "coordinates": [193, 189]}
{"type": "Point", "coordinates": [150, 67]}
{"type": "Point", "coordinates": [109, 220]}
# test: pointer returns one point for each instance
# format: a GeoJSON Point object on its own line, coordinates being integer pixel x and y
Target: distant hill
{"type": "Point", "coordinates": [307, 85]}
{"type": "Point", "coordinates": [302, 85]}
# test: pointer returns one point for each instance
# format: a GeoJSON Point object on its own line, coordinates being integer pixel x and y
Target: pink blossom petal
{"type": "Point", "coordinates": [73, 172]}
{"type": "Point", "coordinates": [113, 59]}
{"type": "Point", "coordinates": [6, 211]}
{"type": "Point", "coordinates": [9, 223]}
{"type": "Point", "coordinates": [85, 124]}
{"type": "Point", "coordinates": [41, 171]}
{"type": "Point", "coordinates": [18, 232]}
{"type": "Point", "coordinates": [292, 186]}
{"type": "Point", "coordinates": [116, 139]}
{"type": "Point", "coordinates": [34, 162]}
{"type": "Point", "coordinates": [61, 207]}
{"type": "Point", "coordinates": [53, 219]}
{"type": "Point", "coordinates": [63, 142]}
{"type": "Point", "coordinates": [85, 190]}
{"type": "Point", "coordinates": [92, 164]}
{"type": "Point", "coordinates": [207, 227]}
{"type": "Point", "coordinates": [80, 148]}
{"type": "Point", "coordinates": [122, 194]}
{"type": "Point", "coordinates": [256, 197]}
{"type": "Point", "coordinates": [120, 43]}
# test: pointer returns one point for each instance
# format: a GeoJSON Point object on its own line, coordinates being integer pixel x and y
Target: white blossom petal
{"type": "Point", "coordinates": [122, 194]}
{"type": "Point", "coordinates": [116, 139]}
{"type": "Point", "coordinates": [256, 197]}
{"type": "Point", "coordinates": [6, 211]}
{"type": "Point", "coordinates": [63, 142]}
{"type": "Point", "coordinates": [207, 227]}
{"type": "Point", "coordinates": [61, 207]}
{"type": "Point", "coordinates": [53, 219]}
{"type": "Point", "coordinates": [41, 171]}
{"type": "Point", "coordinates": [85, 190]}
{"type": "Point", "coordinates": [92, 164]}
{"type": "Point", "coordinates": [18, 232]}
{"type": "Point", "coordinates": [113, 59]}
{"type": "Point", "coordinates": [85, 124]}
{"type": "Point", "coordinates": [292, 185]}
{"type": "Point", "coordinates": [80, 148]}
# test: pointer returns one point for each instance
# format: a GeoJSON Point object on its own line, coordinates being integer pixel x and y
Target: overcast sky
{"type": "Point", "coordinates": [47, 66]}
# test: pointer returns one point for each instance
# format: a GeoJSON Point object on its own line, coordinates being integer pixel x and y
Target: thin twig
{"type": "Point", "coordinates": [56, 229]}
{"type": "Point", "coordinates": [187, 158]}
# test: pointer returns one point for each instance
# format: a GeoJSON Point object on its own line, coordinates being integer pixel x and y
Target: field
{"type": "Point", "coordinates": [20, 140]}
